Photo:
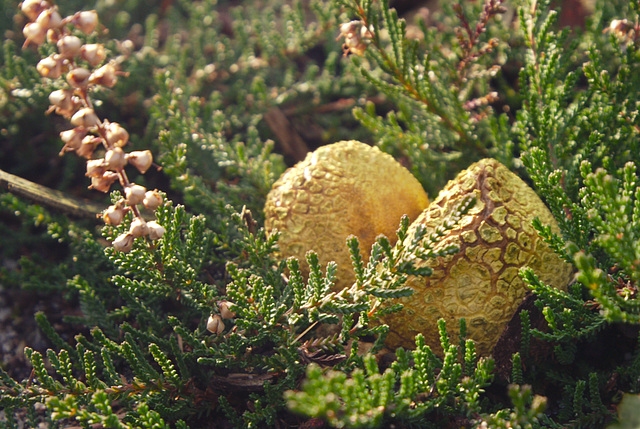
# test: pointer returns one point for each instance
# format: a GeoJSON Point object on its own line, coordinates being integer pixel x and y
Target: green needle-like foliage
{"type": "Point", "coordinates": [206, 326]}
{"type": "Point", "coordinates": [439, 84]}
{"type": "Point", "coordinates": [161, 353]}
{"type": "Point", "coordinates": [418, 389]}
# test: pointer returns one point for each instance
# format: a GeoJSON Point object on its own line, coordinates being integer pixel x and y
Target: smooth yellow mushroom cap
{"type": "Point", "coordinates": [481, 282]}
{"type": "Point", "coordinates": [338, 190]}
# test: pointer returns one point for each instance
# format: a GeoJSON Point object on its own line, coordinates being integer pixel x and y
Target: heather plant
{"type": "Point", "coordinates": [186, 317]}
{"type": "Point", "coordinates": [369, 397]}
{"type": "Point", "coordinates": [147, 340]}
{"type": "Point", "coordinates": [579, 167]}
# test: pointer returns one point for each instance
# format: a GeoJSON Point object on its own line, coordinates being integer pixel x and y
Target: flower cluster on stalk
{"type": "Point", "coordinates": [85, 66]}
{"type": "Point", "coordinates": [356, 37]}
{"type": "Point", "coordinates": [215, 323]}
{"type": "Point", "coordinates": [624, 30]}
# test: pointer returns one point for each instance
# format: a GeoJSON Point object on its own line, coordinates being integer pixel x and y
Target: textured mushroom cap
{"type": "Point", "coordinates": [341, 189]}
{"type": "Point", "coordinates": [481, 282]}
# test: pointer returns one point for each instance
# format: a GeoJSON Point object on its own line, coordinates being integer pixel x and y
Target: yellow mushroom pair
{"type": "Point", "coordinates": [351, 188]}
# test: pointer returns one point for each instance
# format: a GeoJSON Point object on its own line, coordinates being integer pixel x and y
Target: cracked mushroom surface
{"type": "Point", "coordinates": [342, 189]}
{"type": "Point", "coordinates": [479, 283]}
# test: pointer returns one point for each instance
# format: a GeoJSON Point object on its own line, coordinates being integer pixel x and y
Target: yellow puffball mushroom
{"type": "Point", "coordinates": [346, 188]}
{"type": "Point", "coordinates": [480, 283]}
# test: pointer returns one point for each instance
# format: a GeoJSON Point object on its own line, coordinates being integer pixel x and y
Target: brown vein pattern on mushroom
{"type": "Point", "coordinates": [481, 282]}
{"type": "Point", "coordinates": [341, 189]}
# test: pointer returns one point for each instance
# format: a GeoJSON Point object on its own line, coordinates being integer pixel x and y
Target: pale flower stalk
{"type": "Point", "coordinates": [85, 66]}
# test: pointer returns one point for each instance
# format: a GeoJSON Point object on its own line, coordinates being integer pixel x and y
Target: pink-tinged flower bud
{"type": "Point", "coordinates": [355, 37]}
{"type": "Point", "coordinates": [115, 159]}
{"type": "Point", "coordinates": [61, 97]}
{"type": "Point", "coordinates": [113, 215]}
{"type": "Point", "coordinates": [138, 228]}
{"type": "Point", "coordinates": [96, 168]}
{"type": "Point", "coordinates": [50, 19]}
{"type": "Point", "coordinates": [88, 146]}
{"type": "Point", "coordinates": [33, 8]}
{"type": "Point", "coordinates": [349, 28]}
{"type": "Point", "coordinates": [93, 53]}
{"type": "Point", "coordinates": [69, 46]}
{"type": "Point", "coordinates": [64, 102]}
{"type": "Point", "coordinates": [215, 325]}
{"type": "Point", "coordinates": [620, 25]}
{"type": "Point", "coordinates": [105, 76]}
{"type": "Point", "coordinates": [72, 139]}
{"type": "Point", "coordinates": [86, 118]}
{"type": "Point", "coordinates": [103, 183]}
{"type": "Point", "coordinates": [156, 231]}
{"type": "Point", "coordinates": [52, 66]}
{"type": "Point", "coordinates": [34, 33]}
{"type": "Point", "coordinates": [116, 135]}
{"type": "Point", "coordinates": [73, 134]}
{"type": "Point", "coordinates": [78, 77]}
{"type": "Point", "coordinates": [53, 35]}
{"type": "Point", "coordinates": [366, 32]}
{"type": "Point", "coordinates": [123, 243]}
{"type": "Point", "coordinates": [225, 310]}
{"type": "Point", "coordinates": [86, 20]}
{"type": "Point", "coordinates": [152, 200]}
{"type": "Point", "coordinates": [134, 194]}
{"type": "Point", "coordinates": [141, 159]}
{"type": "Point", "coordinates": [623, 29]}
{"type": "Point", "coordinates": [126, 47]}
